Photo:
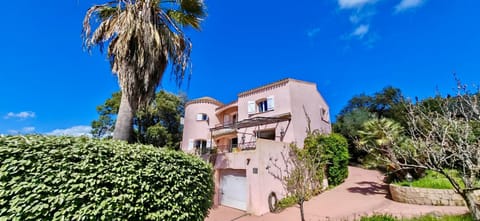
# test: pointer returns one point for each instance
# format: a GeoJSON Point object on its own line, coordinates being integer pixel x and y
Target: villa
{"type": "Point", "coordinates": [243, 138]}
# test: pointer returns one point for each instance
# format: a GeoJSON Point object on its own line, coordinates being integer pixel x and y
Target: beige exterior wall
{"type": "Point", "coordinates": [195, 129]}
{"type": "Point", "coordinates": [260, 184]}
{"type": "Point", "coordinates": [292, 98]}
{"type": "Point", "coordinates": [281, 97]}
{"type": "Point", "coordinates": [305, 95]}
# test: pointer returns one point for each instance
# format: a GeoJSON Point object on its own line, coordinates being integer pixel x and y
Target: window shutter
{"type": "Point", "coordinates": [190, 144]}
{"type": "Point", "coordinates": [251, 107]}
{"type": "Point", "coordinates": [199, 116]}
{"type": "Point", "coordinates": [270, 103]}
{"type": "Point", "coordinates": [209, 144]}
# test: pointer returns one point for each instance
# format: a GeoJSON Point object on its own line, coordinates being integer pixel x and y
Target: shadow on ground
{"type": "Point", "coordinates": [369, 188]}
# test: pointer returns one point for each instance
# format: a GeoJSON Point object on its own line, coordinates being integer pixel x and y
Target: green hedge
{"type": "Point", "coordinates": [65, 178]}
{"type": "Point", "coordinates": [333, 150]}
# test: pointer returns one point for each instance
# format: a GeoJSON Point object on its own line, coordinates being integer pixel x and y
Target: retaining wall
{"type": "Point", "coordinates": [425, 196]}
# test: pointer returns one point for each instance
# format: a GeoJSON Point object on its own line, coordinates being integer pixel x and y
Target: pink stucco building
{"type": "Point", "coordinates": [245, 135]}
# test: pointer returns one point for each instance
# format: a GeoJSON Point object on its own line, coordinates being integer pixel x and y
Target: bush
{"type": "Point", "coordinates": [286, 202]}
{"type": "Point", "coordinates": [378, 218]}
{"type": "Point", "coordinates": [65, 178]}
{"type": "Point", "coordinates": [333, 150]}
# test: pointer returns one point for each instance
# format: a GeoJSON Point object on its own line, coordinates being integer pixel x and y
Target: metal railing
{"type": "Point", "coordinates": [236, 147]}
{"type": "Point", "coordinates": [227, 124]}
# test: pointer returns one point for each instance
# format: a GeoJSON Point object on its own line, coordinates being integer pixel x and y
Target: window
{"type": "Point", "coordinates": [324, 114]}
{"type": "Point", "coordinates": [202, 117]}
{"type": "Point", "coordinates": [262, 106]}
{"type": "Point", "coordinates": [200, 144]}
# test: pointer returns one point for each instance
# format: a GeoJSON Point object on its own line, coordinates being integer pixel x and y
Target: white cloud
{"type": "Point", "coordinates": [360, 31]}
{"type": "Point", "coordinates": [13, 132]}
{"type": "Point", "coordinates": [25, 130]}
{"type": "Point", "coordinates": [348, 4]}
{"type": "Point", "coordinates": [313, 32]}
{"type": "Point", "coordinates": [28, 130]}
{"type": "Point", "coordinates": [408, 4]}
{"type": "Point", "coordinates": [72, 131]}
{"type": "Point", "coordinates": [21, 115]}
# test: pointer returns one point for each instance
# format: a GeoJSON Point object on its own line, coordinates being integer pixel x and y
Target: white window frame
{"type": "Point", "coordinates": [262, 106]}
{"type": "Point", "coordinates": [202, 117]}
{"type": "Point", "coordinates": [198, 143]}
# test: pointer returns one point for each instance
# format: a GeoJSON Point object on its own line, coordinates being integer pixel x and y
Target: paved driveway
{"type": "Point", "coordinates": [363, 193]}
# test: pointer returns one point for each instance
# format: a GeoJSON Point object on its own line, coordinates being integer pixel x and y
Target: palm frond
{"type": "Point", "coordinates": [143, 39]}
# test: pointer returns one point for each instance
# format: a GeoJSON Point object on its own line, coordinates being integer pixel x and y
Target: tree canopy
{"type": "Point", "coordinates": [144, 37]}
{"type": "Point", "coordinates": [387, 103]}
{"type": "Point", "coordinates": [157, 124]}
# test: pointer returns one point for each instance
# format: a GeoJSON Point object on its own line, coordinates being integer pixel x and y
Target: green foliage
{"type": "Point", "coordinates": [387, 103]}
{"type": "Point", "coordinates": [465, 217]}
{"type": "Point", "coordinates": [106, 121]}
{"type": "Point", "coordinates": [333, 152]}
{"type": "Point", "coordinates": [286, 202]}
{"type": "Point", "coordinates": [434, 180]}
{"type": "Point", "coordinates": [348, 125]}
{"type": "Point", "coordinates": [378, 218]}
{"type": "Point", "coordinates": [65, 178]}
{"type": "Point", "coordinates": [157, 124]}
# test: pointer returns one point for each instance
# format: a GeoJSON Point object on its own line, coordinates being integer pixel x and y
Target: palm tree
{"type": "Point", "coordinates": [144, 37]}
{"type": "Point", "coordinates": [382, 136]}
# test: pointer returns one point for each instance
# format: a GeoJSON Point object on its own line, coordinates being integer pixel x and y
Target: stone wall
{"type": "Point", "coordinates": [425, 196]}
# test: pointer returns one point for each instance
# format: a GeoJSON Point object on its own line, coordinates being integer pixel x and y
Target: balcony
{"type": "Point", "coordinates": [234, 148]}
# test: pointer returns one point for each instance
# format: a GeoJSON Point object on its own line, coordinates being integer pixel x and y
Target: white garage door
{"type": "Point", "coordinates": [233, 189]}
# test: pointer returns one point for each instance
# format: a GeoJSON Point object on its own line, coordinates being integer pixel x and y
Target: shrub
{"type": "Point", "coordinates": [65, 178]}
{"type": "Point", "coordinates": [378, 218]}
{"type": "Point", "coordinates": [333, 150]}
{"type": "Point", "coordinates": [285, 203]}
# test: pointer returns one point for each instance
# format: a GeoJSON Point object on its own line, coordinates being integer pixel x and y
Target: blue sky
{"type": "Point", "coordinates": [50, 85]}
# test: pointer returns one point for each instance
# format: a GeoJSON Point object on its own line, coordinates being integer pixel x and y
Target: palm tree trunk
{"type": "Point", "coordinates": [474, 208]}
{"type": "Point", "coordinates": [124, 124]}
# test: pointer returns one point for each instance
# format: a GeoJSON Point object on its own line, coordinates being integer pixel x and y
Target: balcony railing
{"type": "Point", "coordinates": [228, 148]}
{"type": "Point", "coordinates": [226, 124]}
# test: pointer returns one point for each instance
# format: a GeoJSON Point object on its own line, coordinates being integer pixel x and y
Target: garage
{"type": "Point", "coordinates": [233, 189]}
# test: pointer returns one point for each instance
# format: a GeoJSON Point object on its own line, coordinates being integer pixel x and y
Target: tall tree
{"type": "Point", "coordinates": [387, 103]}
{"type": "Point", "coordinates": [143, 37]}
{"type": "Point", "coordinates": [443, 135]}
{"type": "Point", "coordinates": [157, 124]}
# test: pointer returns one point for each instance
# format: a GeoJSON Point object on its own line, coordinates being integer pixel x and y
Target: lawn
{"type": "Point", "coordinates": [433, 180]}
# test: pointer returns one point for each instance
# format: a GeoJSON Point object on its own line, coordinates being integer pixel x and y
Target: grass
{"type": "Point", "coordinates": [433, 180]}
{"type": "Point", "coordinates": [465, 217]}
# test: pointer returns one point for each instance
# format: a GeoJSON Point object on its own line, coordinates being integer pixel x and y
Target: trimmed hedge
{"type": "Point", "coordinates": [333, 149]}
{"type": "Point", "coordinates": [66, 178]}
